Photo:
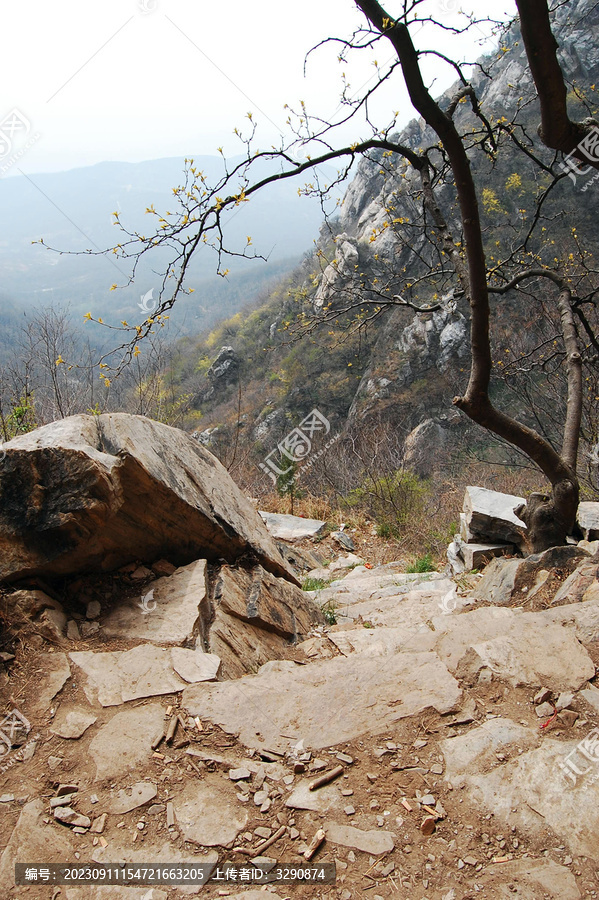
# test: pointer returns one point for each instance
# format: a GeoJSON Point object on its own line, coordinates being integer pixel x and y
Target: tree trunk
{"type": "Point", "coordinates": [550, 518]}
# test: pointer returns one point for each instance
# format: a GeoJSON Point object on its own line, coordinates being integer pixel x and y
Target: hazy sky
{"type": "Point", "coordinates": [142, 79]}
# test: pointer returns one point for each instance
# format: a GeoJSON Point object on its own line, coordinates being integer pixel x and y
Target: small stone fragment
{"type": "Point", "coordinates": [568, 717]}
{"type": "Point", "coordinates": [70, 817]}
{"type": "Point", "coordinates": [99, 824]}
{"type": "Point", "coordinates": [73, 632]}
{"type": "Point", "coordinates": [93, 609]}
{"type": "Point", "coordinates": [542, 696]}
{"type": "Point", "coordinates": [427, 826]}
{"type": "Point", "coordinates": [240, 774]}
{"type": "Point", "coordinates": [343, 757]}
{"type": "Point", "coordinates": [260, 797]}
{"type": "Point", "coordinates": [544, 710]}
{"type": "Point", "coordinates": [349, 810]}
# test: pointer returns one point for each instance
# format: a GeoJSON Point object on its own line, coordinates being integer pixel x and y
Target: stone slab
{"type": "Point", "coordinates": [528, 879]}
{"type": "Point", "coordinates": [291, 528]}
{"type": "Point", "coordinates": [32, 840]}
{"type": "Point", "coordinates": [325, 798]}
{"type": "Point", "coordinates": [193, 665]}
{"type": "Point", "coordinates": [478, 555]}
{"type": "Point", "coordinates": [588, 519]}
{"type": "Point", "coordinates": [476, 750]}
{"type": "Point", "coordinates": [131, 798]}
{"type": "Point", "coordinates": [523, 648]}
{"type": "Point", "coordinates": [72, 721]}
{"type": "Point", "coordinates": [118, 676]}
{"type": "Point", "coordinates": [51, 673]}
{"type": "Point", "coordinates": [490, 515]}
{"type": "Point", "coordinates": [209, 813]}
{"type": "Point", "coordinates": [166, 614]}
{"type": "Point", "coordinates": [326, 702]}
{"type": "Point", "coordinates": [373, 842]}
{"type": "Point", "coordinates": [124, 743]}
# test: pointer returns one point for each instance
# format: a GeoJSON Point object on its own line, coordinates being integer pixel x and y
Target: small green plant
{"type": "Point", "coordinates": [329, 612]}
{"type": "Point", "coordinates": [386, 530]}
{"type": "Point", "coordinates": [367, 625]}
{"type": "Point", "coordinates": [422, 564]}
{"type": "Point", "coordinates": [314, 584]}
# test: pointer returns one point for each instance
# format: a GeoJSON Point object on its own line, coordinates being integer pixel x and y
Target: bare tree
{"type": "Point", "coordinates": [444, 171]}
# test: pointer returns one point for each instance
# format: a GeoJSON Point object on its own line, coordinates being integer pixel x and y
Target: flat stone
{"type": "Point", "coordinates": [497, 583]}
{"type": "Point", "coordinates": [327, 702]}
{"type": "Point", "coordinates": [327, 797]}
{"type": "Point", "coordinates": [524, 648]}
{"type": "Point", "coordinates": [532, 791]}
{"type": "Point", "coordinates": [124, 743]}
{"type": "Point", "coordinates": [374, 842]}
{"type": "Point", "coordinates": [241, 774]}
{"type": "Point", "coordinates": [194, 666]}
{"type": "Point", "coordinates": [71, 817]}
{"type": "Point", "coordinates": [476, 556]}
{"type": "Point", "coordinates": [51, 673]}
{"type": "Point", "coordinates": [99, 824]}
{"type": "Point", "coordinates": [537, 879]}
{"type": "Point", "coordinates": [208, 812]}
{"type": "Point", "coordinates": [122, 675]}
{"type": "Point", "coordinates": [588, 519]}
{"type": "Point", "coordinates": [72, 721]}
{"type": "Point", "coordinates": [31, 839]}
{"type": "Point", "coordinates": [490, 515]}
{"type": "Point", "coordinates": [168, 613]}
{"type": "Point", "coordinates": [477, 749]}
{"type": "Point", "coordinates": [133, 797]}
{"type": "Point", "coordinates": [291, 528]}
{"type": "Point", "coordinates": [591, 695]}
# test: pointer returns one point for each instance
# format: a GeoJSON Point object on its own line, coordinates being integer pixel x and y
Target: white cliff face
{"type": "Point", "coordinates": [340, 274]}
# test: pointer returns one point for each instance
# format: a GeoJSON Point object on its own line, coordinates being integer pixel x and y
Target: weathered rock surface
{"type": "Point", "coordinates": [194, 666]}
{"type": "Point", "coordinates": [82, 500]}
{"type": "Point", "coordinates": [131, 798]}
{"type": "Point", "coordinates": [291, 528]}
{"type": "Point", "coordinates": [121, 675]}
{"type": "Point", "coordinates": [327, 702]}
{"type": "Point", "coordinates": [209, 813]}
{"type": "Point", "coordinates": [374, 842]}
{"type": "Point", "coordinates": [72, 721]}
{"type": "Point", "coordinates": [588, 519]}
{"type": "Point", "coordinates": [126, 741]}
{"type": "Point", "coordinates": [532, 879]}
{"type": "Point", "coordinates": [32, 840]}
{"type": "Point", "coordinates": [490, 515]}
{"type": "Point", "coordinates": [166, 614]}
{"type": "Point", "coordinates": [53, 671]}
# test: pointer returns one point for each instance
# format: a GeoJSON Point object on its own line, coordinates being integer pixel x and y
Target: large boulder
{"type": "Point", "coordinates": [490, 515]}
{"type": "Point", "coordinates": [91, 493]}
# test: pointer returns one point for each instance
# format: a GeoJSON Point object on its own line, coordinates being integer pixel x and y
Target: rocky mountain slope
{"type": "Point", "coordinates": [403, 369]}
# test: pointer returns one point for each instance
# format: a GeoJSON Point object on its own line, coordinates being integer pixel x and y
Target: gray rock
{"type": "Point", "coordinates": [73, 632]}
{"type": "Point", "coordinates": [72, 721]}
{"type": "Point", "coordinates": [208, 812]}
{"type": "Point", "coordinates": [53, 672]}
{"type": "Point", "coordinates": [490, 515]}
{"type": "Point", "coordinates": [497, 583]}
{"type": "Point", "coordinates": [291, 528]}
{"type": "Point", "coordinates": [100, 467]}
{"type": "Point", "coordinates": [588, 519]}
{"type": "Point", "coordinates": [374, 842]}
{"type": "Point", "coordinates": [124, 743]}
{"type": "Point", "coordinates": [536, 879]}
{"type": "Point", "coordinates": [323, 799]}
{"type": "Point", "coordinates": [194, 666]}
{"type": "Point", "coordinates": [131, 798]}
{"type": "Point", "coordinates": [93, 609]}
{"type": "Point", "coordinates": [168, 613]}
{"type": "Point", "coordinates": [32, 839]}
{"type": "Point", "coordinates": [576, 585]}
{"type": "Point", "coordinates": [122, 675]}
{"type": "Point", "coordinates": [476, 556]}
{"type": "Point", "coordinates": [327, 702]}
{"type": "Point", "coordinates": [71, 817]}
